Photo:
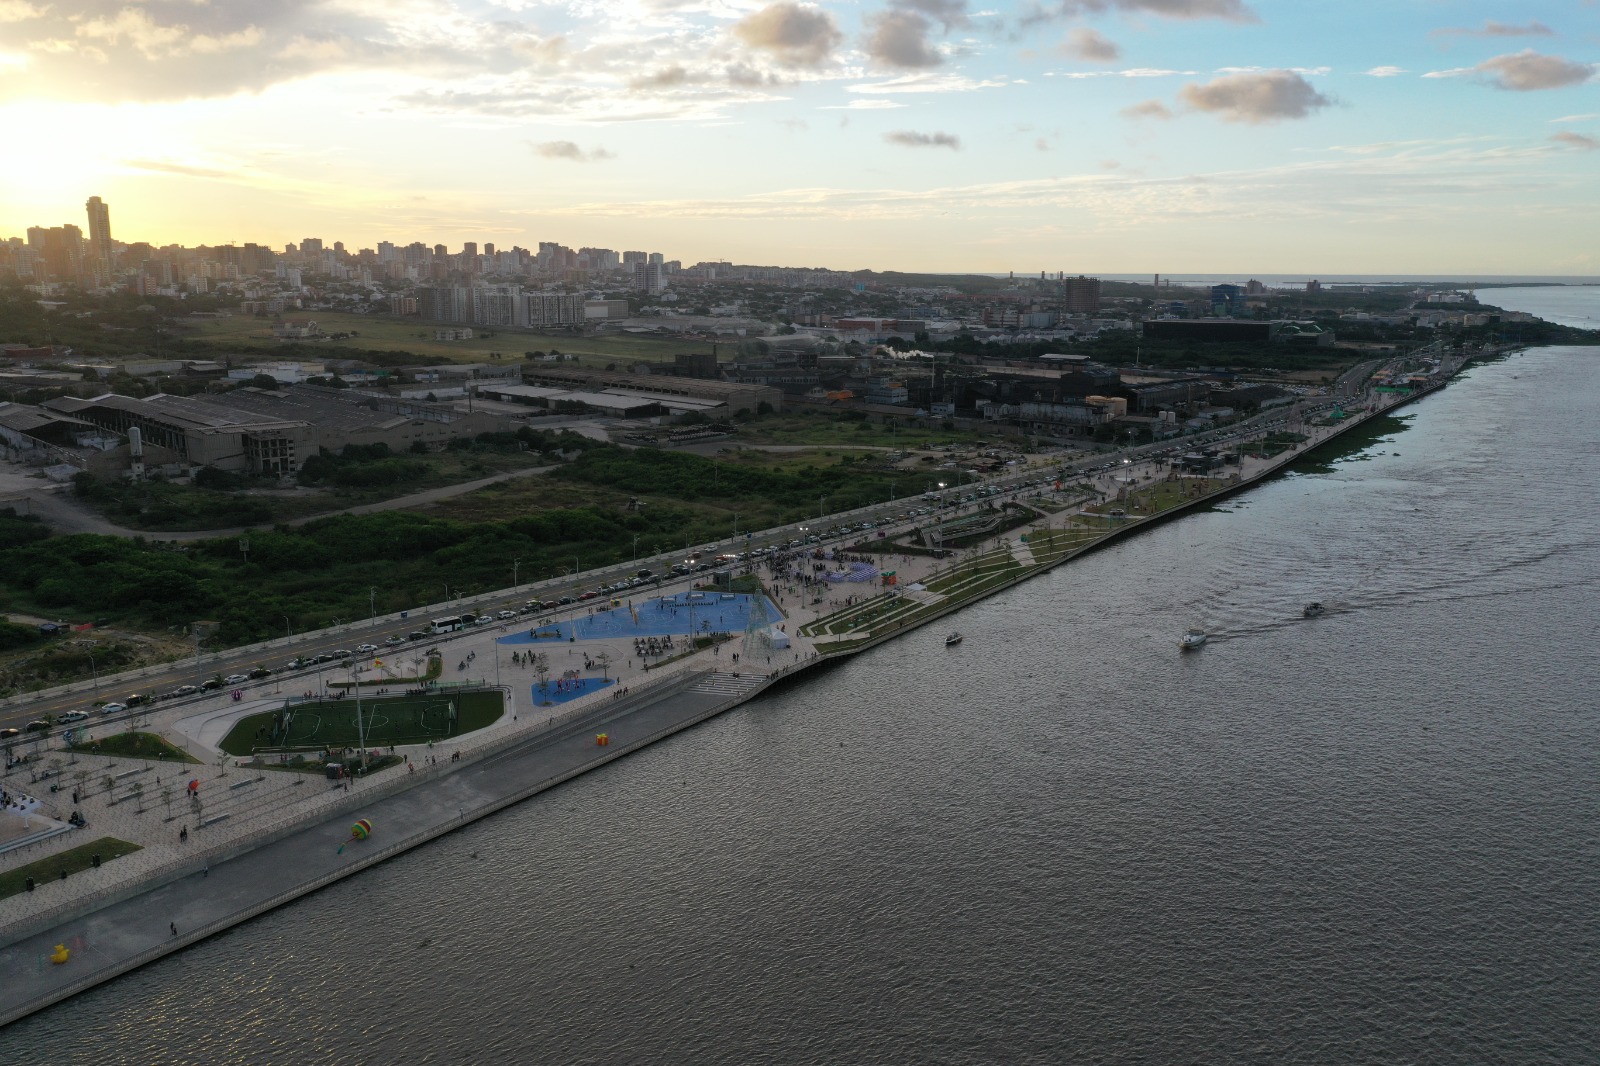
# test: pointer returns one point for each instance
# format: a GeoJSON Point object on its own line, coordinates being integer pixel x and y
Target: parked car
{"type": "Point", "coordinates": [38, 725]}
{"type": "Point", "coordinates": [9, 732]}
{"type": "Point", "coordinates": [508, 614]}
{"type": "Point", "coordinates": [396, 639]}
{"type": "Point", "coordinates": [416, 634]}
{"type": "Point", "coordinates": [259, 672]}
{"type": "Point", "coordinates": [341, 653]}
{"type": "Point", "coordinates": [135, 699]}
{"type": "Point", "coordinates": [187, 690]}
{"type": "Point", "coordinates": [235, 679]}
{"type": "Point", "coordinates": [210, 683]}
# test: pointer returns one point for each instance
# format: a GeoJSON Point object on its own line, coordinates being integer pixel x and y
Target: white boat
{"type": "Point", "coordinates": [952, 640]}
{"type": "Point", "coordinates": [1312, 609]}
{"type": "Point", "coordinates": [1192, 639]}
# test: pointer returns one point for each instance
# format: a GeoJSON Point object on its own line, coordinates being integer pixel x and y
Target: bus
{"type": "Point", "coordinates": [450, 625]}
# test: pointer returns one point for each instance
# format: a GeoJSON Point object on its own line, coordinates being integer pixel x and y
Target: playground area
{"type": "Point", "coordinates": [316, 725]}
{"type": "Point", "coordinates": [686, 612]}
{"type": "Point", "coordinates": [563, 690]}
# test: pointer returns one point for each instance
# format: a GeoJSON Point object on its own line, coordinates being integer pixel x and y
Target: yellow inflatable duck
{"type": "Point", "coordinates": [60, 954]}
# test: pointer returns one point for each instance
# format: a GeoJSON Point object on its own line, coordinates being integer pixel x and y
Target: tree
{"type": "Point", "coordinates": [541, 670]}
{"type": "Point", "coordinates": [264, 381]}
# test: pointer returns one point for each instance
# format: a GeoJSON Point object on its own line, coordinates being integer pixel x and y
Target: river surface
{"type": "Point", "coordinates": [1372, 836]}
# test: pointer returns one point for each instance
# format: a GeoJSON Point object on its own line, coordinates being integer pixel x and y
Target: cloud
{"type": "Point", "coordinates": [1090, 46]}
{"type": "Point", "coordinates": [914, 139]}
{"type": "Point", "coordinates": [798, 35]}
{"type": "Point", "coordinates": [569, 151]}
{"type": "Point", "coordinates": [1582, 142]}
{"type": "Point", "coordinates": [925, 83]}
{"type": "Point", "coordinates": [1255, 98]}
{"type": "Point", "coordinates": [19, 11]}
{"type": "Point", "coordinates": [951, 14]}
{"type": "Point", "coordinates": [900, 39]}
{"type": "Point", "coordinates": [1577, 118]}
{"type": "Point", "coordinates": [1491, 28]}
{"type": "Point", "coordinates": [864, 105]}
{"type": "Point", "coordinates": [665, 78]}
{"type": "Point", "coordinates": [1229, 10]}
{"type": "Point", "coordinates": [1527, 71]}
{"type": "Point", "coordinates": [1147, 109]}
{"type": "Point", "coordinates": [157, 166]}
{"type": "Point", "coordinates": [1384, 72]}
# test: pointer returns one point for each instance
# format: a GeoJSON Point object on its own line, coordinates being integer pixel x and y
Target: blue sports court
{"type": "Point", "coordinates": [686, 612]}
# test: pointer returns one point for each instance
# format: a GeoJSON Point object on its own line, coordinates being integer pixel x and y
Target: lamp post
{"type": "Point", "coordinates": [635, 555]}
{"type": "Point", "coordinates": [516, 564]}
{"type": "Point", "coordinates": [89, 646]}
{"type": "Point", "coordinates": [361, 732]}
{"type": "Point", "coordinates": [372, 603]}
{"type": "Point", "coordinates": [288, 633]}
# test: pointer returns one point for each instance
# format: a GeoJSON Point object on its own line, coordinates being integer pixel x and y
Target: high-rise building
{"type": "Point", "coordinates": [630, 258]}
{"type": "Point", "coordinates": [99, 240]}
{"type": "Point", "coordinates": [311, 246]}
{"type": "Point", "coordinates": [1080, 295]}
{"type": "Point", "coordinates": [656, 259]}
{"type": "Point", "coordinates": [649, 278]}
{"type": "Point", "coordinates": [488, 248]}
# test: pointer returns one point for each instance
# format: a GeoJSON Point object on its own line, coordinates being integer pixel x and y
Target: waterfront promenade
{"type": "Point", "coordinates": [120, 925]}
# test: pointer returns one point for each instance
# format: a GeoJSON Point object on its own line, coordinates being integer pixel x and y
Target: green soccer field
{"type": "Point", "coordinates": [385, 720]}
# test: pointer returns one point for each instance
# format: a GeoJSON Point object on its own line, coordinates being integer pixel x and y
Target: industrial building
{"type": "Point", "coordinates": [735, 395]}
{"type": "Point", "coordinates": [274, 431]}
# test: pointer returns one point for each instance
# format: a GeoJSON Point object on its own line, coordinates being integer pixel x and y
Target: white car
{"type": "Point", "coordinates": [73, 716]}
{"type": "Point", "coordinates": [366, 647]}
{"type": "Point", "coordinates": [235, 679]}
{"type": "Point", "coordinates": [508, 614]}
{"type": "Point", "coordinates": [112, 708]}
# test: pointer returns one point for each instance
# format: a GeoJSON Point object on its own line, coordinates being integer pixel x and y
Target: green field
{"type": "Point", "coordinates": [383, 333]}
{"type": "Point", "coordinates": [77, 860]}
{"type": "Point", "coordinates": [385, 720]}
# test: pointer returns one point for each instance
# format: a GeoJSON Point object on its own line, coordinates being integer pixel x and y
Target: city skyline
{"type": "Point", "coordinates": [1114, 136]}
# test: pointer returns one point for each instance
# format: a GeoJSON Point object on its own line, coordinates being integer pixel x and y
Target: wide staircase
{"type": "Point", "coordinates": [726, 684]}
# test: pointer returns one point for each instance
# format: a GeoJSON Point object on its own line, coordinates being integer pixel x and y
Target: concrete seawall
{"type": "Point", "coordinates": [120, 932]}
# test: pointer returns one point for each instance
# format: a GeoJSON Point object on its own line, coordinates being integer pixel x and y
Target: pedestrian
{"type": "Point", "coordinates": [174, 926]}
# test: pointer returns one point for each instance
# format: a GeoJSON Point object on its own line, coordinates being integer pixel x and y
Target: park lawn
{"type": "Point", "coordinates": [386, 333]}
{"type": "Point", "coordinates": [386, 720]}
{"type": "Point", "coordinates": [73, 861]}
{"type": "Point", "coordinates": [135, 746]}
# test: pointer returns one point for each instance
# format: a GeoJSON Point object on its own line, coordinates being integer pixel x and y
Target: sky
{"type": "Point", "coordinates": [1110, 136]}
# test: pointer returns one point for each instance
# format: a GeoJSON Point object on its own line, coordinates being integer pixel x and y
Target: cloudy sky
{"type": "Point", "coordinates": [1268, 136]}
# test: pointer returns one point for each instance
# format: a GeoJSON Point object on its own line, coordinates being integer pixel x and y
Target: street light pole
{"type": "Point", "coordinates": [372, 603]}
{"type": "Point", "coordinates": [516, 564]}
{"type": "Point", "coordinates": [288, 634]}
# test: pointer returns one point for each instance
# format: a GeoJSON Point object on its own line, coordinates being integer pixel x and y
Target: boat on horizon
{"type": "Point", "coordinates": [952, 640]}
{"type": "Point", "coordinates": [1192, 640]}
{"type": "Point", "coordinates": [1312, 609]}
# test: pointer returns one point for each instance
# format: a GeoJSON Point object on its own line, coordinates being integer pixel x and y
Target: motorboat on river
{"type": "Point", "coordinates": [1193, 639]}
{"type": "Point", "coordinates": [1312, 609]}
{"type": "Point", "coordinates": [952, 640]}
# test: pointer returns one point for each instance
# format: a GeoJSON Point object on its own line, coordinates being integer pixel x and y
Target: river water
{"type": "Point", "coordinates": [1365, 837]}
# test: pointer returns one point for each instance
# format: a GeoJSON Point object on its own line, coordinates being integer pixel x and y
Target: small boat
{"type": "Point", "coordinates": [952, 640]}
{"type": "Point", "coordinates": [1312, 609]}
{"type": "Point", "coordinates": [1192, 639]}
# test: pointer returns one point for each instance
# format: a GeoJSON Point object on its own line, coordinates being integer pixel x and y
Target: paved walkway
{"type": "Point", "coordinates": [210, 897]}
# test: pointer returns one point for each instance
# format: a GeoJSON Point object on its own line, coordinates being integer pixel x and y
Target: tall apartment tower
{"type": "Point", "coordinates": [1080, 295]}
{"type": "Point", "coordinates": [99, 240]}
